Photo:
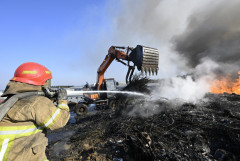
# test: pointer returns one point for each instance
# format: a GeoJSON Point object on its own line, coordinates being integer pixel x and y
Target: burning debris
{"type": "Point", "coordinates": [207, 130]}
{"type": "Point", "coordinates": [226, 85]}
{"type": "Point", "coordinates": [183, 121]}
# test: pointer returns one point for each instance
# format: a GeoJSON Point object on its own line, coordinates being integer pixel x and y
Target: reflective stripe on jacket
{"type": "Point", "coordinates": [21, 130]}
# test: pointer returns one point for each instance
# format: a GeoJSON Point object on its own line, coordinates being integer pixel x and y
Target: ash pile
{"type": "Point", "coordinates": [209, 130]}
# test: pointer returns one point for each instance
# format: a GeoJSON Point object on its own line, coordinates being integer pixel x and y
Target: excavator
{"type": "Point", "coordinates": [145, 59]}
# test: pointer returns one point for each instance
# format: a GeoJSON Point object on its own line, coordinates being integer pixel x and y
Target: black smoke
{"type": "Point", "coordinates": [213, 33]}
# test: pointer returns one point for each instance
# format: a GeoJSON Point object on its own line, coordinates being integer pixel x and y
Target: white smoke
{"type": "Point", "coordinates": [192, 87]}
{"type": "Point", "coordinates": [173, 92]}
{"type": "Point", "coordinates": [178, 28]}
{"type": "Point", "coordinates": [183, 88]}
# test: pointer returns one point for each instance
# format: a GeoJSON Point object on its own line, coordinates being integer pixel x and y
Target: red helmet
{"type": "Point", "coordinates": [32, 73]}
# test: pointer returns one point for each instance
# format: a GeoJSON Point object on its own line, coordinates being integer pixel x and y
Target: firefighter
{"type": "Point", "coordinates": [22, 129]}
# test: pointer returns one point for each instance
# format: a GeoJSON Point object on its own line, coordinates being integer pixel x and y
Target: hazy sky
{"type": "Point", "coordinates": [57, 33]}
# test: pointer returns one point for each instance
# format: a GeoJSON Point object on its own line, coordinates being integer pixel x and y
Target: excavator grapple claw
{"type": "Point", "coordinates": [145, 59]}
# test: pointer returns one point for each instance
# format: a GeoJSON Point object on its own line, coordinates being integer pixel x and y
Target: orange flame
{"type": "Point", "coordinates": [226, 85]}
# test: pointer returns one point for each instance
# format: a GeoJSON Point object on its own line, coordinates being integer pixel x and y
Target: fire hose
{"type": "Point", "coordinates": [10, 102]}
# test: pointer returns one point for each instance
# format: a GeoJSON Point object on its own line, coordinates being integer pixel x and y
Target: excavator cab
{"type": "Point", "coordinates": [109, 84]}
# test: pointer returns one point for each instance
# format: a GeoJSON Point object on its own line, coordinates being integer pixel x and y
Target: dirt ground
{"type": "Point", "coordinates": [209, 130]}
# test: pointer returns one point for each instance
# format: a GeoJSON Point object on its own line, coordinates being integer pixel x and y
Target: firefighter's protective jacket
{"type": "Point", "coordinates": [21, 130]}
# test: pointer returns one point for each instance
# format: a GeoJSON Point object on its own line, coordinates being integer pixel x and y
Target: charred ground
{"type": "Point", "coordinates": [205, 131]}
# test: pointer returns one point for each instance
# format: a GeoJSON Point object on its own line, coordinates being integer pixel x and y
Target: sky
{"type": "Point", "coordinates": [71, 38]}
{"type": "Point", "coordinates": [57, 34]}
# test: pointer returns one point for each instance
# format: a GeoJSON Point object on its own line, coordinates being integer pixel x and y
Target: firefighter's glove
{"type": "Point", "coordinates": [61, 94]}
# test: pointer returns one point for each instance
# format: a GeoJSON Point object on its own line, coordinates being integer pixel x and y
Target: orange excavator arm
{"type": "Point", "coordinates": [144, 58]}
{"type": "Point", "coordinates": [113, 53]}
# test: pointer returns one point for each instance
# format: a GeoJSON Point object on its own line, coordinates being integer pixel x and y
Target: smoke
{"type": "Point", "coordinates": [190, 88]}
{"type": "Point", "coordinates": [198, 40]}
{"type": "Point", "coordinates": [154, 23]}
{"type": "Point", "coordinates": [184, 88]}
{"type": "Point", "coordinates": [213, 32]}
{"type": "Point", "coordinates": [173, 92]}
{"type": "Point", "coordinates": [185, 32]}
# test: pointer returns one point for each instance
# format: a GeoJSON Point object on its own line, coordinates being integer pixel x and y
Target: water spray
{"type": "Point", "coordinates": [77, 93]}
